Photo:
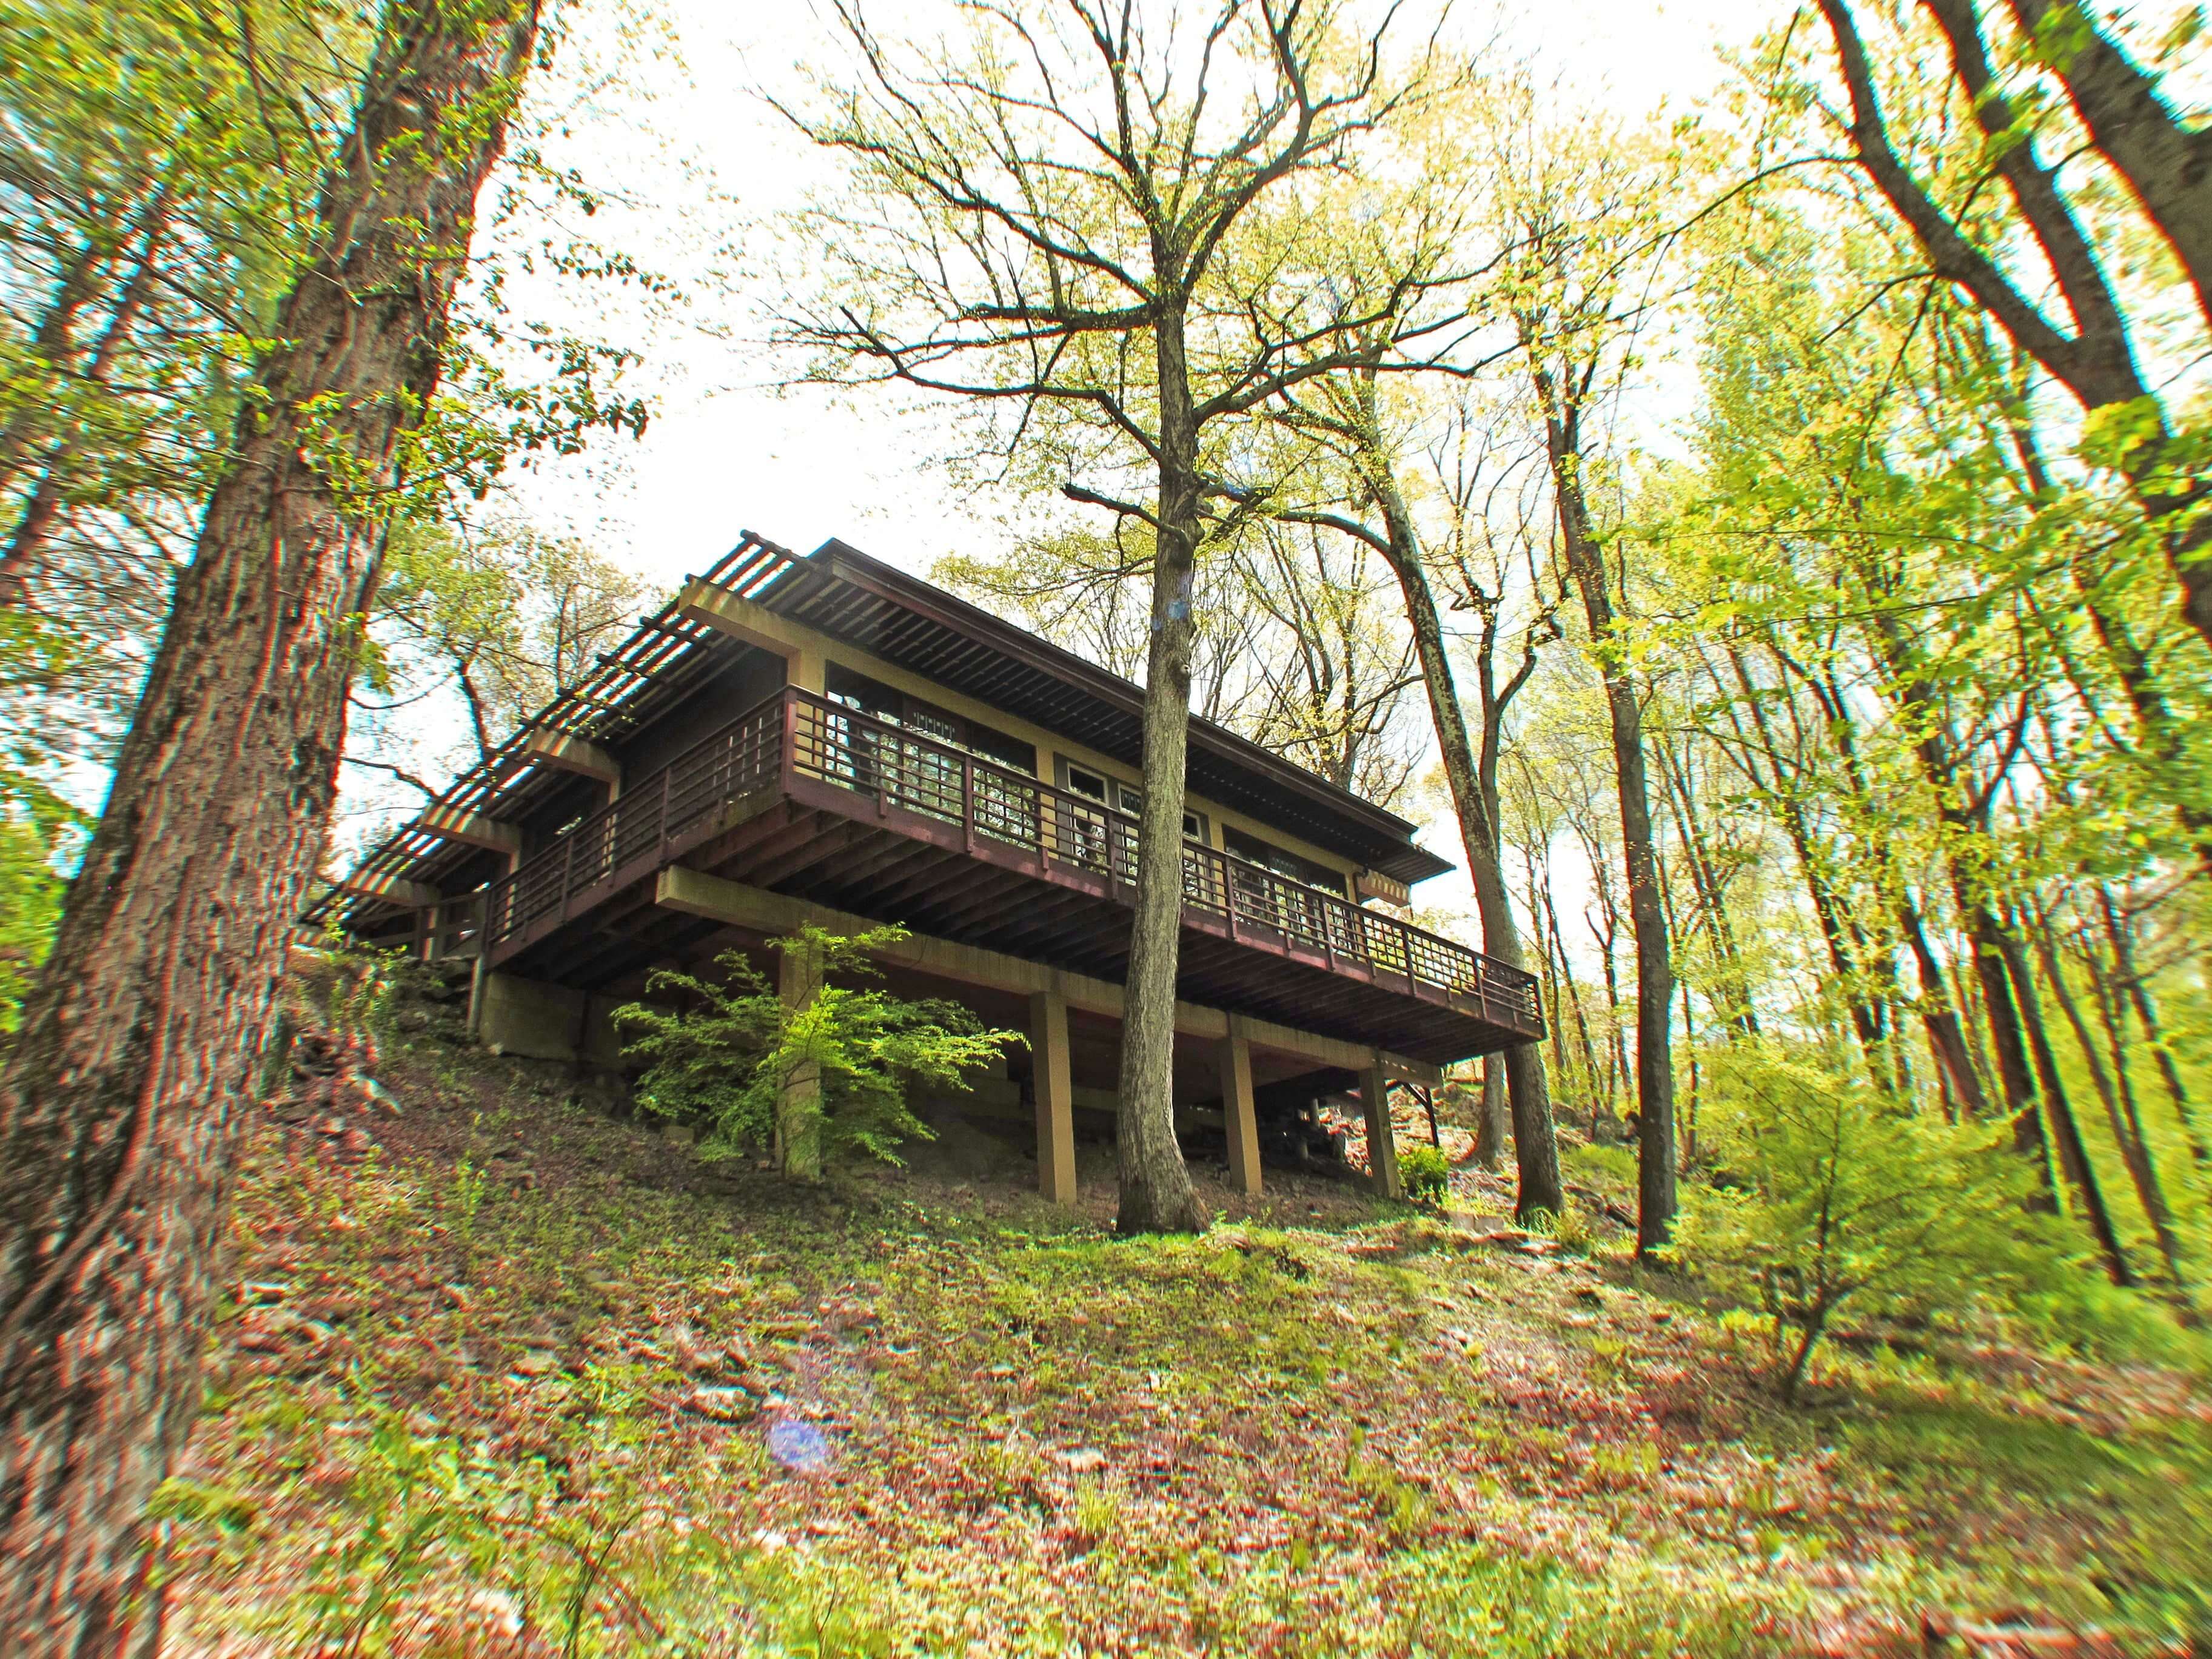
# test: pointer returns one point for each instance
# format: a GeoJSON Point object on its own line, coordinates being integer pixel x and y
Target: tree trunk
{"type": "Point", "coordinates": [1156, 1194]}
{"type": "Point", "coordinates": [1474, 782]}
{"type": "Point", "coordinates": [51, 346]}
{"type": "Point", "coordinates": [1490, 1136]}
{"type": "Point", "coordinates": [2167, 166]}
{"type": "Point", "coordinates": [2120, 931]}
{"type": "Point", "coordinates": [2072, 1155]}
{"type": "Point", "coordinates": [1655, 966]}
{"type": "Point", "coordinates": [1741, 1014]}
{"type": "Point", "coordinates": [122, 1105]}
{"type": "Point", "coordinates": [2117, 1095]}
{"type": "Point", "coordinates": [2096, 361]}
{"type": "Point", "coordinates": [1947, 1040]}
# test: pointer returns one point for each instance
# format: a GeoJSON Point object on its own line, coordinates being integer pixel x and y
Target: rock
{"type": "Point", "coordinates": [332, 1127]}
{"type": "Point", "coordinates": [679, 1134]}
{"type": "Point", "coordinates": [355, 1142]}
{"type": "Point", "coordinates": [1589, 1293]}
{"type": "Point", "coordinates": [536, 1361]}
{"type": "Point", "coordinates": [721, 1404]}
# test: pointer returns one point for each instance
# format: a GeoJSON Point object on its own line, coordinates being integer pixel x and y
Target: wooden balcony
{"type": "Point", "coordinates": [804, 797]}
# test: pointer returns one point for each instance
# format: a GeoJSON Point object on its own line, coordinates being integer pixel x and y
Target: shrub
{"type": "Point", "coordinates": [1831, 1195]}
{"type": "Point", "coordinates": [1426, 1174]}
{"type": "Point", "coordinates": [806, 1079]}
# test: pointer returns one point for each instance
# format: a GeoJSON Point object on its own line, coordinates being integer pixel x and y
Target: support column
{"type": "Point", "coordinates": [1382, 1148]}
{"type": "Point", "coordinates": [797, 1111]}
{"type": "Point", "coordinates": [1240, 1119]}
{"type": "Point", "coordinates": [1055, 1096]}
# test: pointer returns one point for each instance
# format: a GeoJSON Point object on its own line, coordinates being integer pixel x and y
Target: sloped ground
{"type": "Point", "coordinates": [519, 1379]}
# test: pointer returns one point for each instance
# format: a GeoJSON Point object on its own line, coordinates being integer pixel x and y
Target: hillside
{"type": "Point", "coordinates": [507, 1375]}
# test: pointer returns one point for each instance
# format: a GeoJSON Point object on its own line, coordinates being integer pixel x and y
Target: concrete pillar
{"type": "Point", "coordinates": [798, 1112]}
{"type": "Point", "coordinates": [1240, 1119]}
{"type": "Point", "coordinates": [1382, 1148]}
{"type": "Point", "coordinates": [528, 1017]}
{"type": "Point", "coordinates": [1055, 1096]}
{"type": "Point", "coordinates": [601, 1044]}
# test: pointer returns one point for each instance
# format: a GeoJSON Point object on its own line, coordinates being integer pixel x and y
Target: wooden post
{"type": "Point", "coordinates": [1240, 1119]}
{"type": "Point", "coordinates": [1382, 1148]}
{"type": "Point", "coordinates": [1055, 1096]}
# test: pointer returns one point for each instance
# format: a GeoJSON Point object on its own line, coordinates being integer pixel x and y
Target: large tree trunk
{"type": "Point", "coordinates": [2167, 166]}
{"type": "Point", "coordinates": [1939, 1015]}
{"type": "Point", "coordinates": [122, 1105]}
{"type": "Point", "coordinates": [1156, 1194]}
{"type": "Point", "coordinates": [1647, 915]}
{"type": "Point", "coordinates": [1474, 782]}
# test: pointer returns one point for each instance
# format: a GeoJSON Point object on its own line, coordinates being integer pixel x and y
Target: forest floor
{"type": "Point", "coordinates": [503, 1375]}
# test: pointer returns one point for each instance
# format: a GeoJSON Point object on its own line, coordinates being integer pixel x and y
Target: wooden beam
{"type": "Point", "coordinates": [470, 828]}
{"type": "Point", "coordinates": [397, 889]}
{"type": "Point", "coordinates": [565, 752]}
{"type": "Point", "coordinates": [733, 904]}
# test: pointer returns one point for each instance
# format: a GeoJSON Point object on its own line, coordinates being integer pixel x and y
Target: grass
{"type": "Point", "coordinates": [528, 1380]}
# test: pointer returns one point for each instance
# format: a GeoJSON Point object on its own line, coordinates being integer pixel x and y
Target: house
{"type": "Point", "coordinates": [829, 739]}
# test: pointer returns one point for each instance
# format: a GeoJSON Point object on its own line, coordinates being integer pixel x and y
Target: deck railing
{"type": "Point", "coordinates": [798, 734]}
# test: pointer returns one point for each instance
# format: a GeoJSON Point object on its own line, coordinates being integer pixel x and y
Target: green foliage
{"type": "Point", "coordinates": [823, 1075]}
{"type": "Point", "coordinates": [38, 837]}
{"type": "Point", "coordinates": [1426, 1173]}
{"type": "Point", "coordinates": [1832, 1195]}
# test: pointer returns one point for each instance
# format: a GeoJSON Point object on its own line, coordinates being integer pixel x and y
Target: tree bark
{"type": "Point", "coordinates": [1155, 1193]}
{"type": "Point", "coordinates": [1655, 966]}
{"type": "Point", "coordinates": [1474, 782]}
{"type": "Point", "coordinates": [122, 1105]}
{"type": "Point", "coordinates": [2066, 1130]}
{"type": "Point", "coordinates": [1939, 1016]}
{"type": "Point", "coordinates": [2117, 1095]}
{"type": "Point", "coordinates": [2168, 167]}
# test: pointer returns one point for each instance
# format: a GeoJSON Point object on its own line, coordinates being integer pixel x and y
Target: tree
{"type": "Point", "coordinates": [503, 616]}
{"type": "Point", "coordinates": [1090, 232]}
{"type": "Point", "coordinates": [1363, 461]}
{"type": "Point", "coordinates": [2095, 358]}
{"type": "Point", "coordinates": [1583, 221]}
{"type": "Point", "coordinates": [121, 1104]}
{"type": "Point", "coordinates": [1834, 1197]}
{"type": "Point", "coordinates": [809, 1078]}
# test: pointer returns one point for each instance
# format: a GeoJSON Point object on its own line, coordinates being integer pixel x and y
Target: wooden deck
{"type": "Point", "coordinates": [804, 797]}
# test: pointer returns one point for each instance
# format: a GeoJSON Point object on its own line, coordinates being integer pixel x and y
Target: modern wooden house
{"type": "Point", "coordinates": [829, 739]}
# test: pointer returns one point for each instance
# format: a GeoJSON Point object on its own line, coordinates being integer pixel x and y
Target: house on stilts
{"type": "Point", "coordinates": [826, 739]}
